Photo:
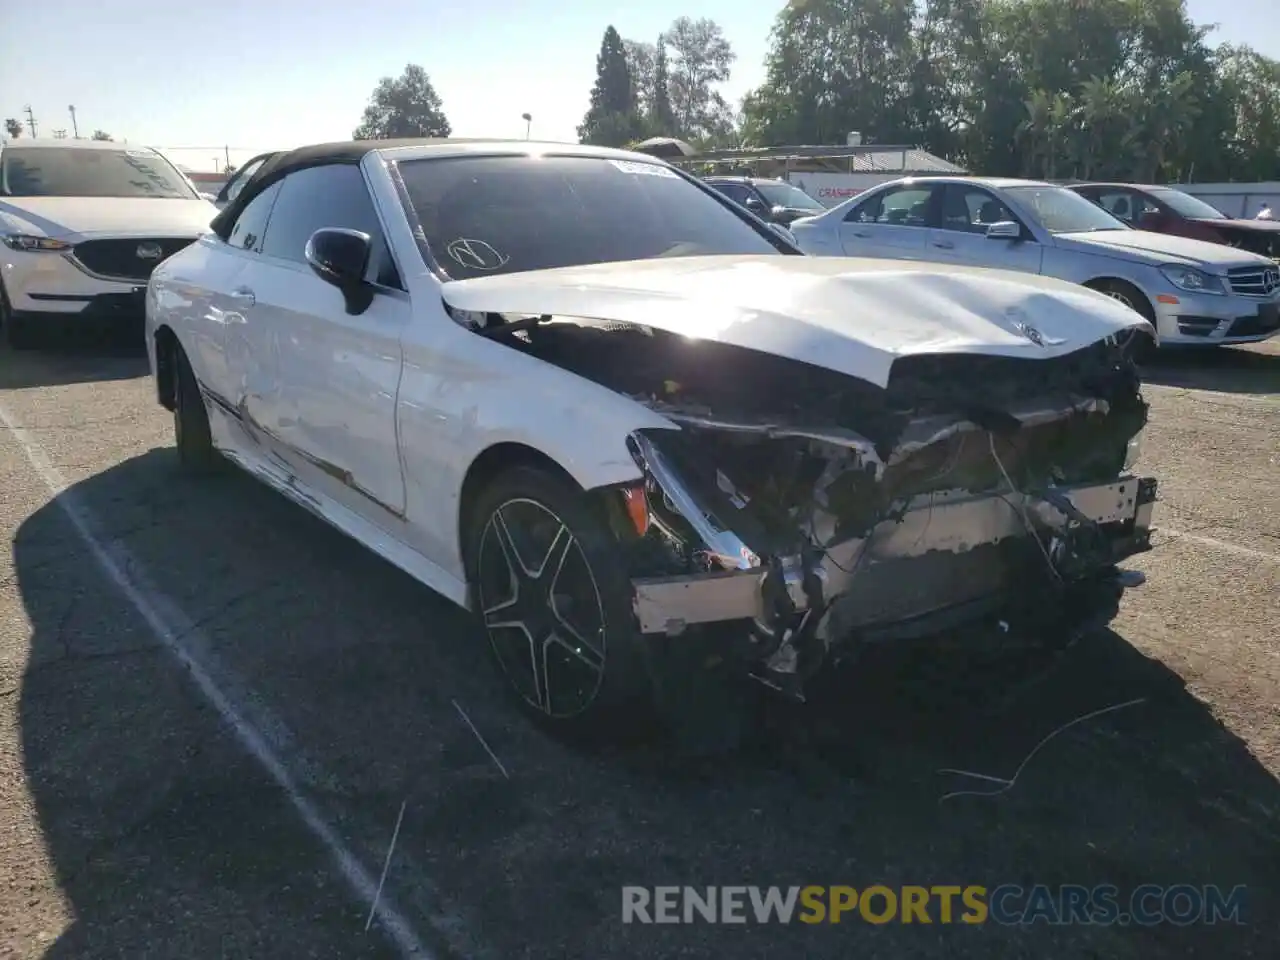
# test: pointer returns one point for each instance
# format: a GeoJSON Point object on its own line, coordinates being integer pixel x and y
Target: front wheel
{"type": "Point", "coordinates": [191, 432]}
{"type": "Point", "coordinates": [553, 598]}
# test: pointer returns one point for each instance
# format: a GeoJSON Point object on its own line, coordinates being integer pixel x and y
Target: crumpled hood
{"type": "Point", "coordinates": [853, 316]}
{"type": "Point", "coordinates": [1161, 248]}
{"type": "Point", "coordinates": [82, 218]}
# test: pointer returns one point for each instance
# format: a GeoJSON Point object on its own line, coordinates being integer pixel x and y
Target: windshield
{"type": "Point", "coordinates": [780, 194]}
{"type": "Point", "coordinates": [86, 172]}
{"type": "Point", "coordinates": [488, 215]}
{"type": "Point", "coordinates": [1060, 210]}
{"type": "Point", "coordinates": [1188, 206]}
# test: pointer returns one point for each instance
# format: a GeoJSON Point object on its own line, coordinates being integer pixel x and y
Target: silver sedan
{"type": "Point", "coordinates": [1193, 292]}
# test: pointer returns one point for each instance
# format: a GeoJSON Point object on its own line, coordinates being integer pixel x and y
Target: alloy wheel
{"type": "Point", "coordinates": [541, 608]}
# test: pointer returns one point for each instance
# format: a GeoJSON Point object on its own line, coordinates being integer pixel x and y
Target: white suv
{"type": "Point", "coordinates": [82, 225]}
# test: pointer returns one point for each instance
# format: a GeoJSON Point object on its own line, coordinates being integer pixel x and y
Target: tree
{"type": "Point", "coordinates": [101, 135]}
{"type": "Point", "coordinates": [612, 119]}
{"type": "Point", "coordinates": [661, 117]}
{"type": "Point", "coordinates": [13, 127]}
{"type": "Point", "coordinates": [700, 58]}
{"type": "Point", "coordinates": [404, 107]}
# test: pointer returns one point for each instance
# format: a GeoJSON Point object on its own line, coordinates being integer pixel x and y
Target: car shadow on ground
{"type": "Point", "coordinates": [1221, 369]}
{"type": "Point", "coordinates": [167, 840]}
{"type": "Point", "coordinates": [81, 359]}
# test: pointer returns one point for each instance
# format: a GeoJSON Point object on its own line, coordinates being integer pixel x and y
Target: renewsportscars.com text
{"type": "Point", "coordinates": [1008, 904]}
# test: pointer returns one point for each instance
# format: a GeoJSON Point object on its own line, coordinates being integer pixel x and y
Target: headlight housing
{"type": "Point", "coordinates": [1192, 280]}
{"type": "Point", "coordinates": [22, 241]}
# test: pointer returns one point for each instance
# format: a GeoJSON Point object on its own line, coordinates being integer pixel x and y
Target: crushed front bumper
{"type": "Point", "coordinates": [937, 542]}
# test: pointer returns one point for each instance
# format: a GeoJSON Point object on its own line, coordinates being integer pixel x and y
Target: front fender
{"type": "Point", "coordinates": [464, 394]}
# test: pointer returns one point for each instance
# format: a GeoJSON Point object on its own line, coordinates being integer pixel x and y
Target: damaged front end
{"type": "Point", "coordinates": [970, 485]}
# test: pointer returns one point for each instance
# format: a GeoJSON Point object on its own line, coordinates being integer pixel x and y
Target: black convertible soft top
{"type": "Point", "coordinates": [344, 151]}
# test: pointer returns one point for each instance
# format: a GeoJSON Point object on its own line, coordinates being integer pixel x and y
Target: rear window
{"type": "Point", "coordinates": [73, 172]}
{"type": "Point", "coordinates": [488, 215]}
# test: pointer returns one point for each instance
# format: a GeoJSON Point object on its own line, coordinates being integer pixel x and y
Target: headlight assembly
{"type": "Point", "coordinates": [1192, 280]}
{"type": "Point", "coordinates": [20, 241]}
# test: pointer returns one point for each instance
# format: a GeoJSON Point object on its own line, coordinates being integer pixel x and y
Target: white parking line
{"type": "Point", "coordinates": [1221, 545]}
{"type": "Point", "coordinates": [183, 644]}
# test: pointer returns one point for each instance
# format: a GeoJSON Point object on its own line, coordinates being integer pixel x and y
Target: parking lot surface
{"type": "Point", "coordinates": [213, 710]}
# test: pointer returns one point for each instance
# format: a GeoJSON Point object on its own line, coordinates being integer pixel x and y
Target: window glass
{"type": "Point", "coordinates": [252, 222]}
{"type": "Point", "coordinates": [333, 195]}
{"type": "Point", "coordinates": [240, 178]}
{"type": "Point", "coordinates": [487, 215]}
{"type": "Point", "coordinates": [1188, 206]}
{"type": "Point", "coordinates": [783, 194]}
{"type": "Point", "coordinates": [1060, 210]}
{"type": "Point", "coordinates": [905, 206]}
{"type": "Point", "coordinates": [89, 172]}
{"type": "Point", "coordinates": [734, 191]}
{"type": "Point", "coordinates": [972, 209]}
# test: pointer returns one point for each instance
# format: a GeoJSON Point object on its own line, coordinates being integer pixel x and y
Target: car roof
{"type": "Point", "coordinates": [45, 143]}
{"type": "Point", "coordinates": [278, 165]}
{"type": "Point", "coordinates": [731, 178]}
{"type": "Point", "coordinates": [996, 183]}
{"type": "Point", "coordinates": [1125, 186]}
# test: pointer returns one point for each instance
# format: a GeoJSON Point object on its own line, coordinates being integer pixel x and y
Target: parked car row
{"type": "Point", "coordinates": [608, 442]}
{"type": "Point", "coordinates": [1192, 291]}
{"type": "Point", "coordinates": [82, 225]}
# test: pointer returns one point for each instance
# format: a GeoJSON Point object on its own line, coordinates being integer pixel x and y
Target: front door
{"type": "Point", "coordinates": [961, 235]}
{"type": "Point", "coordinates": [332, 416]}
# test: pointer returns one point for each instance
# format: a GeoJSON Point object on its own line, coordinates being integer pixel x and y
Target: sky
{"type": "Point", "coordinates": [254, 75]}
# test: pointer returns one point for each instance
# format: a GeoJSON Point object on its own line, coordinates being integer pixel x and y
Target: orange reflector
{"type": "Point", "coordinates": [1167, 298]}
{"type": "Point", "coordinates": [637, 508]}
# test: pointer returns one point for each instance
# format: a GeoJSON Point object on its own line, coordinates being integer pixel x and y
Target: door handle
{"type": "Point", "coordinates": [244, 296]}
{"type": "Point", "coordinates": [944, 244]}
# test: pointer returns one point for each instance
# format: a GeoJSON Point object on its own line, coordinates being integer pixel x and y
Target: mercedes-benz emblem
{"type": "Point", "coordinates": [149, 251]}
{"type": "Point", "coordinates": [1270, 281]}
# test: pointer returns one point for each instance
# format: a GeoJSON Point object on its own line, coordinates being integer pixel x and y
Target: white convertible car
{"type": "Point", "coordinates": [583, 395]}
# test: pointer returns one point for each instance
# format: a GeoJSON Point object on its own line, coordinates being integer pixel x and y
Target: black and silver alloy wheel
{"type": "Point", "coordinates": [551, 590]}
{"type": "Point", "coordinates": [541, 607]}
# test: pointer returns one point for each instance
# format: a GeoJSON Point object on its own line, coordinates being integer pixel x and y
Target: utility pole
{"type": "Point", "coordinates": [75, 130]}
{"type": "Point", "coordinates": [31, 120]}
{"type": "Point", "coordinates": [226, 152]}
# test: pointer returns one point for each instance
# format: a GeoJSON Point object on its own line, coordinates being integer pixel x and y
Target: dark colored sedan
{"type": "Point", "coordinates": [1166, 210]}
{"type": "Point", "coordinates": [774, 200]}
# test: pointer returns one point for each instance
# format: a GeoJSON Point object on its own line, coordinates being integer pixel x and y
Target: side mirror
{"type": "Point", "coordinates": [340, 257]}
{"type": "Point", "coordinates": [1004, 230]}
{"type": "Point", "coordinates": [754, 205]}
{"type": "Point", "coordinates": [778, 214]}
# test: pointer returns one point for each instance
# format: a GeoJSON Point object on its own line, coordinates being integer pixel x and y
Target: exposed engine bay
{"type": "Point", "coordinates": [813, 507]}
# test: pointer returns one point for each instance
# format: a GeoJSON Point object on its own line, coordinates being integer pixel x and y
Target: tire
{"type": "Point", "coordinates": [19, 334]}
{"type": "Point", "coordinates": [196, 453]}
{"type": "Point", "coordinates": [1135, 300]}
{"type": "Point", "coordinates": [574, 660]}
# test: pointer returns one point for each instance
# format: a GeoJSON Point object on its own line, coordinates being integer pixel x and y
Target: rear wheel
{"type": "Point", "coordinates": [554, 601]}
{"type": "Point", "coordinates": [191, 432]}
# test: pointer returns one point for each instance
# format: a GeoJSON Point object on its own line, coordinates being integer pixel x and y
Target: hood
{"type": "Point", "coordinates": [1255, 226]}
{"type": "Point", "coordinates": [1161, 248]}
{"type": "Point", "coordinates": [852, 316]}
{"type": "Point", "coordinates": [83, 218]}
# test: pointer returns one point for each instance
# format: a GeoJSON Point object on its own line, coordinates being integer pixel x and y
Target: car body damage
{"type": "Point", "coordinates": [854, 454]}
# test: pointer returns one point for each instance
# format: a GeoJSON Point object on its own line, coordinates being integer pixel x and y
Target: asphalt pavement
{"type": "Point", "coordinates": [216, 713]}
